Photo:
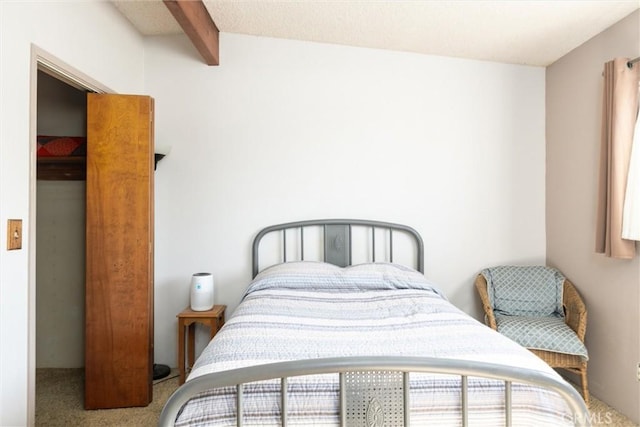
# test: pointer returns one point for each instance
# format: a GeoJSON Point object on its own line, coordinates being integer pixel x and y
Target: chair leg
{"type": "Point", "coordinates": [585, 385]}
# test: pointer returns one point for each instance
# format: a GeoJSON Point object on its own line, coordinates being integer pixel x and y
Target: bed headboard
{"type": "Point", "coordinates": [339, 242]}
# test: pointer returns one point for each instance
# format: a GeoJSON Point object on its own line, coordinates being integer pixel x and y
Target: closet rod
{"type": "Point", "coordinates": [633, 61]}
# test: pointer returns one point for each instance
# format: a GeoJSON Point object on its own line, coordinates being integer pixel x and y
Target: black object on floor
{"type": "Point", "coordinates": [160, 371]}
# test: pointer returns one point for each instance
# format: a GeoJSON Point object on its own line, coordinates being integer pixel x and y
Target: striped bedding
{"type": "Point", "coordinates": [306, 310]}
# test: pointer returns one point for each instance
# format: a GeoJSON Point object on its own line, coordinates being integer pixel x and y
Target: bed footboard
{"type": "Point", "coordinates": [384, 398]}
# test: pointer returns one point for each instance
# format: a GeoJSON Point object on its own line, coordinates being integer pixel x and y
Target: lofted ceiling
{"type": "Point", "coordinates": [529, 32]}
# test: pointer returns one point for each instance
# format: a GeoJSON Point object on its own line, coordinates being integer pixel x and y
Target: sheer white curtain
{"type": "Point", "coordinates": [631, 213]}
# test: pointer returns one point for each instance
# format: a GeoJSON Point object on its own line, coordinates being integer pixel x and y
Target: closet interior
{"type": "Point", "coordinates": [60, 225]}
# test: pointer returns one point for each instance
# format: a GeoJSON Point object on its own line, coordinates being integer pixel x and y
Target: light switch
{"type": "Point", "coordinates": [14, 234]}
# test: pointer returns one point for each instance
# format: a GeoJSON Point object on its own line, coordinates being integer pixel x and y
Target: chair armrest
{"type": "Point", "coordinates": [481, 286]}
{"type": "Point", "coordinates": [574, 309]}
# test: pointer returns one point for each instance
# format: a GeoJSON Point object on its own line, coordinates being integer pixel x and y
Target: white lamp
{"type": "Point", "coordinates": [201, 292]}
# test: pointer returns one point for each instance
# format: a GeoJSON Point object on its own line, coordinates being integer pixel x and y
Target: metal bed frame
{"type": "Point", "coordinates": [374, 391]}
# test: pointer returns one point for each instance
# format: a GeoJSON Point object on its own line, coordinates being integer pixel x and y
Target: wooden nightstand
{"type": "Point", "coordinates": [213, 318]}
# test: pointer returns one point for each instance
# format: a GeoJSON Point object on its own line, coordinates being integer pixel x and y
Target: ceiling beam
{"type": "Point", "coordinates": [198, 25]}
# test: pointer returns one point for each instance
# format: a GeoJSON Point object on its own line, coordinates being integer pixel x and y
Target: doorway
{"type": "Point", "coordinates": [67, 304]}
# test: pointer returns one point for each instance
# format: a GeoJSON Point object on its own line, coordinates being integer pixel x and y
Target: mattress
{"type": "Point", "coordinates": [308, 310]}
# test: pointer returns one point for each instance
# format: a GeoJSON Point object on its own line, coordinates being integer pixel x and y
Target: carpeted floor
{"type": "Point", "coordinates": [60, 399]}
{"type": "Point", "coordinates": [59, 402]}
{"type": "Point", "coordinates": [604, 415]}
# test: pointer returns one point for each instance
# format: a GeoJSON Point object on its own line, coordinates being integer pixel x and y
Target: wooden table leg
{"type": "Point", "coordinates": [213, 328]}
{"type": "Point", "coordinates": [191, 347]}
{"type": "Point", "coordinates": [181, 351]}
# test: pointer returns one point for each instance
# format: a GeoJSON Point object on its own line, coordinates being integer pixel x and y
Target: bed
{"type": "Point", "coordinates": [360, 337]}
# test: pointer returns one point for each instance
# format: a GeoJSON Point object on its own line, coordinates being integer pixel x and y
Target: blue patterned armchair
{"type": "Point", "coordinates": [537, 307]}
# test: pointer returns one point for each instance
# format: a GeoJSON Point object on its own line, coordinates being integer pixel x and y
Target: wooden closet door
{"type": "Point", "coordinates": [119, 251]}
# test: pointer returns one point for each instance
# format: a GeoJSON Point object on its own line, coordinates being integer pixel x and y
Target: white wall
{"type": "Point", "coordinates": [610, 287]}
{"type": "Point", "coordinates": [285, 130]}
{"type": "Point", "coordinates": [95, 39]}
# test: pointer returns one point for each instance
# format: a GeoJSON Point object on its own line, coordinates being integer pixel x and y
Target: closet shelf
{"type": "Point", "coordinates": [71, 168]}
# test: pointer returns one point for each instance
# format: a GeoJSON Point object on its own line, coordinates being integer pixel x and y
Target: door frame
{"type": "Point", "coordinates": [59, 69]}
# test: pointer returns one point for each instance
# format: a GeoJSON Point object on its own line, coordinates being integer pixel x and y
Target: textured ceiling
{"type": "Point", "coordinates": [534, 32]}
